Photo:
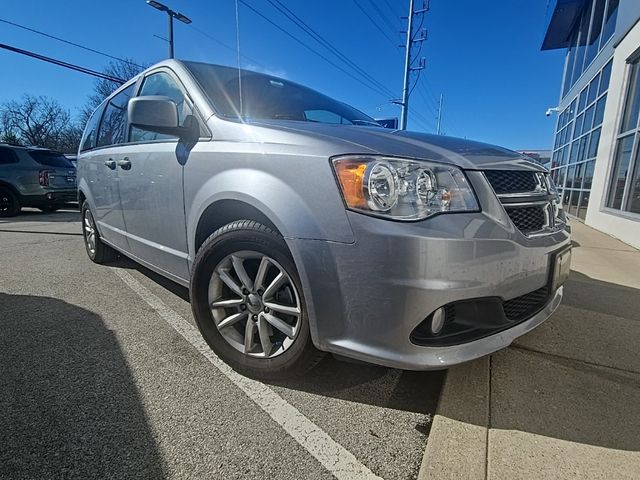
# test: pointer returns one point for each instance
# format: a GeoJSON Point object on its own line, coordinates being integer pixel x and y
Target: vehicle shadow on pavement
{"type": "Point", "coordinates": [372, 385]}
{"type": "Point", "coordinates": [576, 377]}
{"type": "Point", "coordinates": [69, 407]}
{"type": "Point", "coordinates": [34, 215]}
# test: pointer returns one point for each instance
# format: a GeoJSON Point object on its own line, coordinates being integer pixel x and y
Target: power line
{"type": "Point", "coordinates": [384, 17]}
{"type": "Point", "coordinates": [326, 44]}
{"type": "Point", "coordinates": [428, 100]}
{"type": "Point", "coordinates": [311, 49]}
{"type": "Point", "coordinates": [376, 24]}
{"type": "Point", "coordinates": [88, 49]}
{"type": "Point", "coordinates": [420, 120]}
{"type": "Point", "coordinates": [228, 47]}
{"type": "Point", "coordinates": [61, 63]}
{"type": "Point", "coordinates": [390, 7]}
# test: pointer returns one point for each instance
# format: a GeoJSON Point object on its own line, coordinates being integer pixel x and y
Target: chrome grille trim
{"type": "Point", "coordinates": [543, 196]}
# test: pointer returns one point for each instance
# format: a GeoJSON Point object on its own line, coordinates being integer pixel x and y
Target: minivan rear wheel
{"type": "Point", "coordinates": [96, 249]}
{"type": "Point", "coordinates": [248, 302]}
{"type": "Point", "coordinates": [9, 203]}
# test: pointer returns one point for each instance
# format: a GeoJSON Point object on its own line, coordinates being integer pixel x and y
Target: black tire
{"type": "Point", "coordinates": [9, 203]}
{"type": "Point", "coordinates": [238, 236]}
{"type": "Point", "coordinates": [49, 208]}
{"type": "Point", "coordinates": [101, 253]}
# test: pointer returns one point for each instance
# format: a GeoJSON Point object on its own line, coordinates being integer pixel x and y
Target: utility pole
{"type": "Point", "coordinates": [407, 70]}
{"type": "Point", "coordinates": [406, 91]}
{"type": "Point", "coordinates": [439, 130]}
{"type": "Point", "coordinates": [171, 15]}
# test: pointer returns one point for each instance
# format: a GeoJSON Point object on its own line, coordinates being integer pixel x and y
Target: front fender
{"type": "Point", "coordinates": [304, 215]}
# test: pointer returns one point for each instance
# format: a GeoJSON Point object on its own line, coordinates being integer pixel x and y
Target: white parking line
{"type": "Point", "coordinates": [333, 456]}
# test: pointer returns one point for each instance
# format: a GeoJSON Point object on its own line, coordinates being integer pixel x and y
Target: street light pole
{"type": "Point", "coordinates": [171, 15]}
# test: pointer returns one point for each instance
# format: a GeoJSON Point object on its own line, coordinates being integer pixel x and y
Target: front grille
{"type": "Point", "coordinates": [528, 198]}
{"type": "Point", "coordinates": [528, 219]}
{"type": "Point", "coordinates": [512, 181]}
{"type": "Point", "coordinates": [527, 305]}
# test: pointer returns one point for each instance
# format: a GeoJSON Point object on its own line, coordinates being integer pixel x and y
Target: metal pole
{"type": "Point", "coordinates": [407, 71]}
{"type": "Point", "coordinates": [170, 15]}
{"type": "Point", "coordinates": [438, 129]}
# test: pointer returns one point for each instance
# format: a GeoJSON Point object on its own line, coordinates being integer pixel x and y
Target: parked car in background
{"type": "Point", "coordinates": [302, 226]}
{"type": "Point", "coordinates": [73, 159]}
{"type": "Point", "coordinates": [34, 177]}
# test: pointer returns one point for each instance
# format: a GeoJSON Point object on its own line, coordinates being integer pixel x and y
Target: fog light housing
{"type": "Point", "coordinates": [437, 321]}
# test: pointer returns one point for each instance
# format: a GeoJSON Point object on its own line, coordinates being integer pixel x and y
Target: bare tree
{"type": "Point", "coordinates": [7, 132]}
{"type": "Point", "coordinates": [39, 121]}
{"type": "Point", "coordinates": [103, 88]}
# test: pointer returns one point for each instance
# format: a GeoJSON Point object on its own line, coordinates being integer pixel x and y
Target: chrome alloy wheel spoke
{"type": "Point", "coordinates": [255, 304]}
{"type": "Point", "coordinates": [231, 320]}
{"type": "Point", "coordinates": [232, 302]}
{"type": "Point", "coordinates": [249, 331]}
{"type": "Point", "coordinates": [281, 325]}
{"type": "Point", "coordinates": [90, 231]}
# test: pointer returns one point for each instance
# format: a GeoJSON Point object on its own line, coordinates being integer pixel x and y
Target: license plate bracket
{"type": "Point", "coordinates": [560, 268]}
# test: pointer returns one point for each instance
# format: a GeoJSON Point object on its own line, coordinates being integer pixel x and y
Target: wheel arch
{"type": "Point", "coordinates": [10, 187]}
{"type": "Point", "coordinates": [223, 212]}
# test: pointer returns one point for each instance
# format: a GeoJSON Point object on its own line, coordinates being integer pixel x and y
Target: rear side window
{"type": "Point", "coordinates": [113, 128]}
{"type": "Point", "coordinates": [7, 156]}
{"type": "Point", "coordinates": [48, 158]}
{"type": "Point", "coordinates": [91, 130]}
{"type": "Point", "coordinates": [161, 84]}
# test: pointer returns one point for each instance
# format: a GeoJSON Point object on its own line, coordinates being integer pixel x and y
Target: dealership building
{"type": "Point", "coordinates": [596, 149]}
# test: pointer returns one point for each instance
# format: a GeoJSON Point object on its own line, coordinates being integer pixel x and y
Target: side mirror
{"type": "Point", "coordinates": [155, 114]}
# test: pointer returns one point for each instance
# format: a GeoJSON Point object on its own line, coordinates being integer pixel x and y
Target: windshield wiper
{"type": "Point", "coordinates": [366, 122]}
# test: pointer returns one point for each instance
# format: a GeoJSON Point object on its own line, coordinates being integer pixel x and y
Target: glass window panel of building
{"type": "Point", "coordinates": [576, 143]}
{"type": "Point", "coordinates": [624, 180]}
{"type": "Point", "coordinates": [590, 34]}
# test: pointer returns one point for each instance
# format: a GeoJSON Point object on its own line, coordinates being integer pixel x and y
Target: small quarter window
{"type": "Point", "coordinates": [91, 130]}
{"type": "Point", "coordinates": [7, 156]}
{"type": "Point", "coordinates": [113, 127]}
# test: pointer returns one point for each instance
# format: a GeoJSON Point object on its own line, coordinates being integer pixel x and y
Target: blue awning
{"type": "Point", "coordinates": [565, 15]}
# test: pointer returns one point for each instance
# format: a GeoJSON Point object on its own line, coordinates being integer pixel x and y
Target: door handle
{"type": "Point", "coordinates": [125, 163]}
{"type": "Point", "coordinates": [111, 163]}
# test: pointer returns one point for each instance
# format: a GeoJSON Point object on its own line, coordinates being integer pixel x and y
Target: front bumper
{"type": "Point", "coordinates": [365, 299]}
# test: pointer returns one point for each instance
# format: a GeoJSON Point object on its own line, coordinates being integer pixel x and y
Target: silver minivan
{"type": "Point", "coordinates": [301, 226]}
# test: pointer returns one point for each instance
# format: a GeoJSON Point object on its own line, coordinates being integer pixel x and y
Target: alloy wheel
{"type": "Point", "coordinates": [6, 203]}
{"type": "Point", "coordinates": [255, 304]}
{"type": "Point", "coordinates": [89, 231]}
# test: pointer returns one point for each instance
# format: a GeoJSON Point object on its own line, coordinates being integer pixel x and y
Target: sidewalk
{"type": "Point", "coordinates": [564, 400]}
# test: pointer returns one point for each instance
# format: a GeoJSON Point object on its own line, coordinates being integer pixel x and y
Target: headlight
{"type": "Point", "coordinates": [402, 189]}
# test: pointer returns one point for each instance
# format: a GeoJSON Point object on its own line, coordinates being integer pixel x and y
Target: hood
{"type": "Point", "coordinates": [466, 154]}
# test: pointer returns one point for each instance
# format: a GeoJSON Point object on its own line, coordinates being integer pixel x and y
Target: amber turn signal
{"type": "Point", "coordinates": [351, 177]}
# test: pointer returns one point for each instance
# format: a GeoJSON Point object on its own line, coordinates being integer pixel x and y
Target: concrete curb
{"type": "Point", "coordinates": [458, 442]}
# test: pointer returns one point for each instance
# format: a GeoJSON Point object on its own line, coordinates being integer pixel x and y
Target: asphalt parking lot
{"type": "Point", "coordinates": [102, 376]}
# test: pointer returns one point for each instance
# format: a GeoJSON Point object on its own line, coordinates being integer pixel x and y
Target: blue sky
{"type": "Point", "coordinates": [484, 57]}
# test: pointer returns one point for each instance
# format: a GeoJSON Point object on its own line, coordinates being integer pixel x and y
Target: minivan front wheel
{"type": "Point", "coordinates": [248, 302]}
{"type": "Point", "coordinates": [98, 252]}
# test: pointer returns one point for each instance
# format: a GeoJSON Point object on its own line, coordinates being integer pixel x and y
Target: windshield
{"type": "Point", "coordinates": [50, 159]}
{"type": "Point", "coordinates": [267, 97]}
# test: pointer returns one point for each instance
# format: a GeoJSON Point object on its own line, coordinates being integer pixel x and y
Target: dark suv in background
{"type": "Point", "coordinates": [34, 177]}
